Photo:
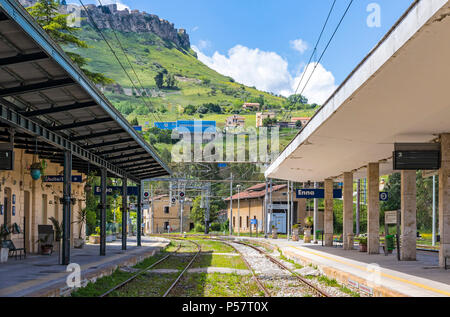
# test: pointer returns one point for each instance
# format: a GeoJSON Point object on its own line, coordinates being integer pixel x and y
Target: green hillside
{"type": "Point", "coordinates": [196, 83]}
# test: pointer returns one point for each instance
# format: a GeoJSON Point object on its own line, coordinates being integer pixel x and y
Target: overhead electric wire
{"type": "Point", "coordinates": [129, 62]}
{"type": "Point", "coordinates": [312, 55]}
{"type": "Point", "coordinates": [112, 50]}
{"type": "Point", "coordinates": [328, 44]}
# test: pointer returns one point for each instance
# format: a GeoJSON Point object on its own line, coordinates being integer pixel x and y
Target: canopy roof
{"type": "Point", "coordinates": [397, 94]}
{"type": "Point", "coordinates": [40, 84]}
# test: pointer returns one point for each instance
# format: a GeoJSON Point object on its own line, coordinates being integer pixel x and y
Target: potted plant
{"type": "Point", "coordinates": [296, 232]}
{"type": "Point", "coordinates": [274, 232]}
{"type": "Point", "coordinates": [95, 238]}
{"type": "Point", "coordinates": [37, 169]}
{"type": "Point", "coordinates": [4, 250]}
{"type": "Point", "coordinates": [46, 247]}
{"type": "Point", "coordinates": [309, 221]}
{"type": "Point", "coordinates": [363, 244]}
{"type": "Point", "coordinates": [57, 227]}
{"type": "Point", "coordinates": [81, 221]}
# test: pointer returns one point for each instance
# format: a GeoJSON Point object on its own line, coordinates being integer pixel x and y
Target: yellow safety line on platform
{"type": "Point", "coordinates": [383, 274]}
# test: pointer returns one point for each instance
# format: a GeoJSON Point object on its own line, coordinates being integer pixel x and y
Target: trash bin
{"type": "Point", "coordinates": [390, 242]}
{"type": "Point", "coordinates": [318, 234]}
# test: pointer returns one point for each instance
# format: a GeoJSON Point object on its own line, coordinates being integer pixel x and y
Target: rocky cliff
{"type": "Point", "coordinates": [109, 17]}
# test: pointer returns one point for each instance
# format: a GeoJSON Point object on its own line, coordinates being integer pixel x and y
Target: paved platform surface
{"type": "Point", "coordinates": [379, 274]}
{"type": "Point", "coordinates": [40, 275]}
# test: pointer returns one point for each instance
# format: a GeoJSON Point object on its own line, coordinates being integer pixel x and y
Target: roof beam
{"type": "Point", "coordinates": [22, 58]}
{"type": "Point", "coordinates": [123, 149]}
{"type": "Point", "coordinates": [24, 89]}
{"type": "Point", "coordinates": [53, 110]}
{"type": "Point", "coordinates": [113, 158]}
{"type": "Point", "coordinates": [104, 144]}
{"type": "Point", "coordinates": [97, 135]}
{"type": "Point", "coordinates": [3, 17]}
{"type": "Point", "coordinates": [138, 167]}
{"type": "Point", "coordinates": [127, 162]}
{"type": "Point", "coordinates": [80, 124]}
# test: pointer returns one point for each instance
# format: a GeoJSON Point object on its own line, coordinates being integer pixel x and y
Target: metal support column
{"type": "Point", "coordinates": [358, 205]}
{"type": "Point", "coordinates": [67, 204]}
{"type": "Point", "coordinates": [316, 215]}
{"type": "Point", "coordinates": [103, 212]}
{"type": "Point", "coordinates": [124, 212]}
{"type": "Point", "coordinates": [139, 216]}
{"type": "Point", "coordinates": [434, 211]}
{"type": "Point", "coordinates": [230, 224]}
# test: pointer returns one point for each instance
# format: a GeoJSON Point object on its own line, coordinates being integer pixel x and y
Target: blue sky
{"type": "Point", "coordinates": [253, 40]}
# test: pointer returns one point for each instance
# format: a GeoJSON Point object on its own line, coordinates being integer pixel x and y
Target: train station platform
{"type": "Point", "coordinates": [376, 275]}
{"type": "Point", "coordinates": [41, 276]}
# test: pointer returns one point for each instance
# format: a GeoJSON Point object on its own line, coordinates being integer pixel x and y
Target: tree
{"type": "Point", "coordinates": [298, 124]}
{"type": "Point", "coordinates": [159, 80]}
{"type": "Point", "coordinates": [134, 122]}
{"type": "Point", "coordinates": [171, 82]}
{"type": "Point", "coordinates": [45, 12]}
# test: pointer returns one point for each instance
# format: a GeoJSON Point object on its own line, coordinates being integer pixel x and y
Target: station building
{"type": "Point", "coordinates": [50, 111]}
{"type": "Point", "coordinates": [164, 216]}
{"type": "Point", "coordinates": [251, 203]}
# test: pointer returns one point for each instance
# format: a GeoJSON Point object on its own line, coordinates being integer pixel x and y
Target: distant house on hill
{"type": "Point", "coordinates": [235, 121]}
{"type": "Point", "coordinates": [261, 116]}
{"type": "Point", "coordinates": [251, 106]}
{"type": "Point", "coordinates": [303, 120]}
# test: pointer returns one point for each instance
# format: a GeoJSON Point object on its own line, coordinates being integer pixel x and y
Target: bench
{"type": "Point", "coordinates": [339, 241]}
{"type": "Point", "coordinates": [13, 250]}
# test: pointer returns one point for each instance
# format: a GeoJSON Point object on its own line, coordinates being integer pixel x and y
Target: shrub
{"type": "Point", "coordinates": [199, 228]}
{"type": "Point", "coordinates": [215, 226]}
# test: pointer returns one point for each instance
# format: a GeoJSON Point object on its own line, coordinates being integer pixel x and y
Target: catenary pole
{"type": "Point", "coordinates": [434, 210]}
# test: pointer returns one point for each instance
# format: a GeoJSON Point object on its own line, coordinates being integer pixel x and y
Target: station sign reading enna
{"type": "Point", "coordinates": [316, 193]}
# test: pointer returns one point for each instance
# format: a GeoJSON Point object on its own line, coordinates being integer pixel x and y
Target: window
{"type": "Point", "coordinates": [248, 224]}
{"type": "Point", "coordinates": [166, 209]}
{"type": "Point", "coordinates": [240, 222]}
{"type": "Point", "coordinates": [234, 221]}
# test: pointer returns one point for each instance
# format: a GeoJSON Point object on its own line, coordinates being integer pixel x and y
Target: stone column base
{"type": "Point", "coordinates": [328, 239]}
{"type": "Point", "coordinates": [348, 242]}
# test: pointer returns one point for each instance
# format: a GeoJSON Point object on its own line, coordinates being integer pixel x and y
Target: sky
{"type": "Point", "coordinates": [268, 43]}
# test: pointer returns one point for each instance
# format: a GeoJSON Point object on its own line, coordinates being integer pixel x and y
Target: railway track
{"type": "Point", "coordinates": [173, 285]}
{"type": "Point", "coordinates": [317, 291]}
{"type": "Point", "coordinates": [255, 276]}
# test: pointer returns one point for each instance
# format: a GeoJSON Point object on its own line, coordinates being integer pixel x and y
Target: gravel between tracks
{"type": "Point", "coordinates": [279, 282]}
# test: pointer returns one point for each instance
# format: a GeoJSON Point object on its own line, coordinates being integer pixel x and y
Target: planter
{"type": "Point", "coordinates": [46, 249]}
{"type": "Point", "coordinates": [4, 255]}
{"type": "Point", "coordinates": [94, 239]}
{"type": "Point", "coordinates": [78, 243]}
{"type": "Point", "coordinates": [274, 233]}
{"type": "Point", "coordinates": [307, 236]}
{"type": "Point", "coordinates": [362, 247]}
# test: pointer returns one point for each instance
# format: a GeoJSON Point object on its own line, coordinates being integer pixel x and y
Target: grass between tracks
{"type": "Point", "coordinates": [198, 284]}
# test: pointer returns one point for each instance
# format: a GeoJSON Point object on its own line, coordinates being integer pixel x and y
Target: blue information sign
{"type": "Point", "coordinates": [132, 191]}
{"type": "Point", "coordinates": [384, 196]}
{"type": "Point", "coordinates": [254, 221]}
{"type": "Point", "coordinates": [222, 165]}
{"type": "Point", "coordinates": [316, 193]}
{"type": "Point", "coordinates": [60, 179]}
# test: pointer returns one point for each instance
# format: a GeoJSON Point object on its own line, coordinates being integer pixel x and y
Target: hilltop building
{"type": "Point", "coordinates": [261, 116]}
{"type": "Point", "coordinates": [251, 106]}
{"type": "Point", "coordinates": [303, 120]}
{"type": "Point", "coordinates": [235, 121]}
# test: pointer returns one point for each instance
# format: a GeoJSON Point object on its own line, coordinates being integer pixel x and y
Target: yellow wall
{"type": "Point", "coordinates": [254, 209]}
{"type": "Point", "coordinates": [160, 217]}
{"type": "Point", "coordinates": [35, 200]}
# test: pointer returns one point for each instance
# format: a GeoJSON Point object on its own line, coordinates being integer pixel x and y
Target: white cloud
{"type": "Point", "coordinates": [203, 44]}
{"type": "Point", "coordinates": [265, 70]}
{"type": "Point", "coordinates": [195, 28]}
{"type": "Point", "coordinates": [268, 71]}
{"type": "Point", "coordinates": [299, 45]}
{"type": "Point", "coordinates": [320, 87]}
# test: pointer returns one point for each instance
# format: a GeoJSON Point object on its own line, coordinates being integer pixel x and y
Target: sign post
{"type": "Point", "coordinates": [392, 218]}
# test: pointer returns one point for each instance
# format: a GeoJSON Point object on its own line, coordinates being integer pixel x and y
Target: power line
{"type": "Point", "coordinates": [129, 62]}
{"type": "Point", "coordinates": [328, 44]}
{"type": "Point", "coordinates": [312, 55]}
{"type": "Point", "coordinates": [112, 50]}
